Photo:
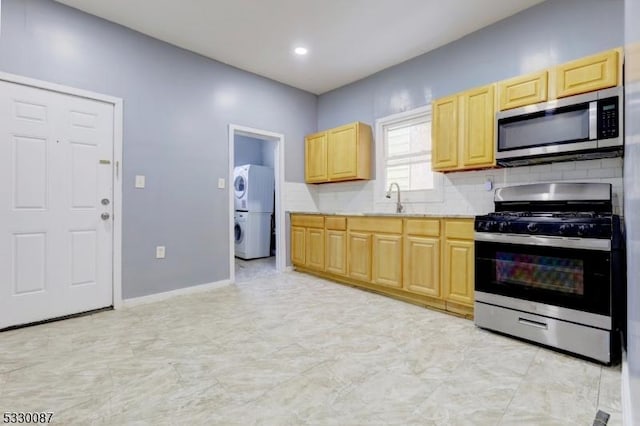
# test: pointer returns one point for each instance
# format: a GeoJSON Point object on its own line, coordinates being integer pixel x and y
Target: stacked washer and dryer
{"type": "Point", "coordinates": [254, 193]}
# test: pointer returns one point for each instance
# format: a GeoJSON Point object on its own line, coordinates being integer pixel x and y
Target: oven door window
{"type": "Point", "coordinates": [571, 278]}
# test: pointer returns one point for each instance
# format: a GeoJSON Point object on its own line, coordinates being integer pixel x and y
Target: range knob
{"type": "Point", "coordinates": [585, 229]}
{"type": "Point", "coordinates": [504, 226]}
{"type": "Point", "coordinates": [532, 227]}
{"type": "Point", "coordinates": [565, 229]}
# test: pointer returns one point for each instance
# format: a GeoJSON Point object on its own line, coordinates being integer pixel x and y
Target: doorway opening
{"type": "Point", "coordinates": [256, 213]}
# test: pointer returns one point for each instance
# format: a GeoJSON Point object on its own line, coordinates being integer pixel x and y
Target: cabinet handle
{"type": "Point", "coordinates": [535, 324]}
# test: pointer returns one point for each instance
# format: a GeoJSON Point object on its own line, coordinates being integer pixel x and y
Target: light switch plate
{"type": "Point", "coordinates": [140, 181]}
{"type": "Point", "coordinates": [160, 252]}
{"type": "Point", "coordinates": [221, 183]}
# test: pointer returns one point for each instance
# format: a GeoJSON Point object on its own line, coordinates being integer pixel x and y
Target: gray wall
{"type": "Point", "coordinates": [547, 34]}
{"type": "Point", "coordinates": [247, 150]}
{"type": "Point", "coordinates": [632, 204]}
{"type": "Point", "coordinates": [177, 108]}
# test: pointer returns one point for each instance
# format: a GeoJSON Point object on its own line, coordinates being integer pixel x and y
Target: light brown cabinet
{"type": "Point", "coordinates": [359, 255]}
{"type": "Point", "coordinates": [423, 260]}
{"type": "Point", "coordinates": [375, 250]}
{"type": "Point", "coordinates": [462, 130]}
{"type": "Point", "coordinates": [316, 158]}
{"type": "Point", "coordinates": [387, 260]}
{"type": "Point", "coordinates": [523, 90]}
{"type": "Point", "coordinates": [339, 154]}
{"type": "Point", "coordinates": [587, 74]}
{"type": "Point", "coordinates": [444, 133]}
{"type": "Point", "coordinates": [336, 245]}
{"type": "Point", "coordinates": [307, 241]}
{"type": "Point", "coordinates": [583, 75]}
{"type": "Point", "coordinates": [458, 264]}
{"type": "Point", "coordinates": [422, 257]}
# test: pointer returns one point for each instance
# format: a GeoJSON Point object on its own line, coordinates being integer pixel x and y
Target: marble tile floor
{"type": "Point", "coordinates": [247, 270]}
{"type": "Point", "coordinates": [291, 349]}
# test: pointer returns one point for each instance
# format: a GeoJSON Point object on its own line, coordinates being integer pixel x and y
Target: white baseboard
{"type": "Point", "coordinates": [158, 297]}
{"type": "Point", "coordinates": [625, 393]}
{"type": "Point", "coordinates": [288, 269]}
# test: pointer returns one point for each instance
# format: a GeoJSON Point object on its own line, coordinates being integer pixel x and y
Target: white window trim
{"type": "Point", "coordinates": [418, 196]}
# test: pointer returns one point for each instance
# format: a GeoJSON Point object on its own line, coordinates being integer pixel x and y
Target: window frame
{"type": "Point", "coordinates": [415, 196]}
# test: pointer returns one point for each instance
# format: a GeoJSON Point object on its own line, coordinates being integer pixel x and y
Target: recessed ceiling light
{"type": "Point", "coordinates": [300, 50]}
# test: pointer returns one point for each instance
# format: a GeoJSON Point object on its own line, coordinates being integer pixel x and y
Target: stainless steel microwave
{"type": "Point", "coordinates": [578, 127]}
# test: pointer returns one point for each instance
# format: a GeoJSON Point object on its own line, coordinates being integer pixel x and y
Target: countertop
{"type": "Point", "coordinates": [372, 214]}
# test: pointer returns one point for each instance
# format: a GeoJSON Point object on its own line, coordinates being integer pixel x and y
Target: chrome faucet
{"type": "Point", "coordinates": [399, 206]}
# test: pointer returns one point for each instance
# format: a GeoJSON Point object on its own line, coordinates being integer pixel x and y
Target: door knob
{"type": "Point", "coordinates": [105, 216]}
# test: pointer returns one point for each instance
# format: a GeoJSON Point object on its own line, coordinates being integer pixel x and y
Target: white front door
{"type": "Point", "coordinates": [56, 180]}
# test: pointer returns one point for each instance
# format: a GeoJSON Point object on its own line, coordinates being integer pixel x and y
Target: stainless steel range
{"type": "Point", "coordinates": [549, 267]}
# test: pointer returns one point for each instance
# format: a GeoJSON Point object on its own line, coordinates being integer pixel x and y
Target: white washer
{"type": "Point", "coordinates": [253, 187]}
{"type": "Point", "coordinates": [252, 232]}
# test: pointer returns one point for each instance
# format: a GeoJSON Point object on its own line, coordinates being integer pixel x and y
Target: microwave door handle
{"type": "Point", "coordinates": [593, 120]}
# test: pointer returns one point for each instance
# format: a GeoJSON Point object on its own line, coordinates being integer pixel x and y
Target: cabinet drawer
{"type": "Point", "coordinates": [462, 229]}
{"type": "Point", "coordinates": [335, 223]}
{"type": "Point", "coordinates": [311, 221]}
{"type": "Point", "coordinates": [426, 227]}
{"type": "Point", "coordinates": [375, 224]}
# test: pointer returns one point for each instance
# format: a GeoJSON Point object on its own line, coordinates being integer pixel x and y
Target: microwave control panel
{"type": "Point", "coordinates": [608, 118]}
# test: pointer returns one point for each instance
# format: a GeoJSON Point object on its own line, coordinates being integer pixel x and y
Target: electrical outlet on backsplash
{"type": "Point", "coordinates": [465, 192]}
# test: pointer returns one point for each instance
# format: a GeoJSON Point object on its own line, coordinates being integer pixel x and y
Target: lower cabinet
{"type": "Point", "coordinates": [315, 248]}
{"type": "Point", "coordinates": [298, 246]}
{"type": "Point", "coordinates": [307, 241]}
{"type": "Point", "coordinates": [359, 255]}
{"type": "Point", "coordinates": [387, 260]}
{"type": "Point", "coordinates": [422, 265]}
{"type": "Point", "coordinates": [335, 251]}
{"type": "Point", "coordinates": [458, 276]}
{"type": "Point", "coordinates": [428, 261]}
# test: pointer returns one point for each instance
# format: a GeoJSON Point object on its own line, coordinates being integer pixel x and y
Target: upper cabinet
{"type": "Point", "coordinates": [339, 154]}
{"type": "Point", "coordinates": [444, 133]}
{"type": "Point", "coordinates": [462, 132]}
{"type": "Point", "coordinates": [315, 153]}
{"type": "Point", "coordinates": [587, 74]}
{"type": "Point", "coordinates": [524, 90]}
{"type": "Point", "coordinates": [583, 75]}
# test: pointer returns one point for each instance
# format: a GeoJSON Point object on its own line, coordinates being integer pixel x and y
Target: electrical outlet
{"type": "Point", "coordinates": [160, 252]}
{"type": "Point", "coordinates": [488, 184]}
{"type": "Point", "coordinates": [221, 183]}
{"type": "Point", "coordinates": [140, 181]}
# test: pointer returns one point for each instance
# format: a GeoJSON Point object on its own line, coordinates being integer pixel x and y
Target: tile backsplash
{"type": "Point", "coordinates": [464, 192]}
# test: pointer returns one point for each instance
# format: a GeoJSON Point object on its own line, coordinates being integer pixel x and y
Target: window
{"type": "Point", "coordinates": [404, 153]}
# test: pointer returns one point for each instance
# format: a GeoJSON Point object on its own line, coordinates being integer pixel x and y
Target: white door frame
{"type": "Point", "coordinates": [117, 157]}
{"type": "Point", "coordinates": [278, 138]}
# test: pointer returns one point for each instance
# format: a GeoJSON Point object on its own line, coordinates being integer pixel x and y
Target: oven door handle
{"type": "Point", "coordinates": [545, 241]}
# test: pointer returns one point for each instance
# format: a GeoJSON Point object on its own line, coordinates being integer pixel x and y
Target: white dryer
{"type": "Point", "coordinates": [252, 234]}
{"type": "Point", "coordinates": [253, 187]}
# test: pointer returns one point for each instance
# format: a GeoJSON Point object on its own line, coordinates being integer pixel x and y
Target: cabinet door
{"type": "Point", "coordinates": [343, 152]}
{"type": "Point", "coordinates": [587, 74]}
{"type": "Point", "coordinates": [422, 265]}
{"type": "Point", "coordinates": [336, 252]}
{"type": "Point", "coordinates": [315, 248]}
{"type": "Point", "coordinates": [387, 260]}
{"type": "Point", "coordinates": [524, 90]}
{"type": "Point", "coordinates": [444, 134]}
{"type": "Point", "coordinates": [315, 158]}
{"type": "Point", "coordinates": [359, 252]}
{"type": "Point", "coordinates": [459, 271]}
{"type": "Point", "coordinates": [477, 127]}
{"type": "Point", "coordinates": [298, 247]}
